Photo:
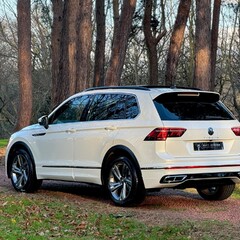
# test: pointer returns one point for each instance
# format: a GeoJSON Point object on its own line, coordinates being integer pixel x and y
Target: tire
{"type": "Point", "coordinates": [22, 172]}
{"type": "Point", "coordinates": [123, 182]}
{"type": "Point", "coordinates": [214, 193]}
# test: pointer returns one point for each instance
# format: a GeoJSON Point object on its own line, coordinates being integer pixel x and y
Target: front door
{"type": "Point", "coordinates": [55, 145]}
{"type": "Point", "coordinates": [55, 151]}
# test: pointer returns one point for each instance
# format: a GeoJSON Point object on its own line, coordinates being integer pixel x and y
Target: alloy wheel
{"type": "Point", "coordinates": [120, 181]}
{"type": "Point", "coordinates": [20, 171]}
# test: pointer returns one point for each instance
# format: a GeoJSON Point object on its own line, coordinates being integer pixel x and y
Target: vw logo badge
{"type": "Point", "coordinates": [210, 131]}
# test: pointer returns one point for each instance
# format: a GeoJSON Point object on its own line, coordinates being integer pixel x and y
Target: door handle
{"type": "Point", "coordinates": [111, 128]}
{"type": "Point", "coordinates": [71, 130]}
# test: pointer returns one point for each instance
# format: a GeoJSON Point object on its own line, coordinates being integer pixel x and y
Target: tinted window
{"type": "Point", "coordinates": [131, 107]}
{"type": "Point", "coordinates": [191, 108]}
{"type": "Point", "coordinates": [113, 106]}
{"type": "Point", "coordinates": [72, 111]}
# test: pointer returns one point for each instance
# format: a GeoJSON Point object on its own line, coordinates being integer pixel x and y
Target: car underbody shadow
{"type": "Point", "coordinates": [96, 192]}
{"type": "Point", "coordinates": [85, 190]}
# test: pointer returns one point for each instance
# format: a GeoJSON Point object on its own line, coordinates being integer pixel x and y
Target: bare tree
{"type": "Point", "coordinates": [84, 44]}
{"type": "Point", "coordinates": [24, 64]}
{"type": "Point", "coordinates": [66, 83]}
{"type": "Point", "coordinates": [214, 40]}
{"type": "Point", "coordinates": [122, 30]}
{"type": "Point", "coordinates": [176, 41]}
{"type": "Point", "coordinates": [202, 72]}
{"type": "Point", "coordinates": [63, 85]}
{"type": "Point", "coordinates": [98, 79]}
{"type": "Point", "coordinates": [73, 62]}
{"type": "Point", "coordinates": [233, 60]}
{"type": "Point", "coordinates": [152, 38]}
{"type": "Point", "coordinates": [57, 8]}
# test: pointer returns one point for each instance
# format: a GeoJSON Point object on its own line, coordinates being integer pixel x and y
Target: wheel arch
{"type": "Point", "coordinates": [116, 151]}
{"type": "Point", "coordinates": [16, 146]}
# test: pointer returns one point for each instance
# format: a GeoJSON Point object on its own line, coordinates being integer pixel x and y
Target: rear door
{"type": "Point", "coordinates": [97, 133]}
{"type": "Point", "coordinates": [95, 136]}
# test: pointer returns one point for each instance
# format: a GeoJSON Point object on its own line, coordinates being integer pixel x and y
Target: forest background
{"type": "Point", "coordinates": [50, 50]}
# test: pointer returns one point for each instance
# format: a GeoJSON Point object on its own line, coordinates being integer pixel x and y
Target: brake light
{"type": "Point", "coordinates": [161, 134]}
{"type": "Point", "coordinates": [236, 131]}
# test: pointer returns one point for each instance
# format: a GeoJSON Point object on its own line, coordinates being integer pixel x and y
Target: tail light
{"type": "Point", "coordinates": [161, 134]}
{"type": "Point", "coordinates": [236, 131]}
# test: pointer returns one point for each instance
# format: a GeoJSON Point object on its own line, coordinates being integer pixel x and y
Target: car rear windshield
{"type": "Point", "coordinates": [191, 106]}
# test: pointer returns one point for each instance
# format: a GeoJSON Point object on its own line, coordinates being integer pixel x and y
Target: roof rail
{"type": "Point", "coordinates": [118, 87]}
{"type": "Point", "coordinates": [172, 87]}
{"type": "Point", "coordinates": [138, 87]}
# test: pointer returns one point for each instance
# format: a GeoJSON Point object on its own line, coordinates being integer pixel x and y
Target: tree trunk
{"type": "Point", "coordinates": [176, 41]}
{"type": "Point", "coordinates": [24, 64]}
{"type": "Point", "coordinates": [62, 87]}
{"type": "Point", "coordinates": [191, 41]}
{"type": "Point", "coordinates": [116, 16]}
{"type": "Point", "coordinates": [214, 40]}
{"type": "Point", "coordinates": [57, 7]}
{"type": "Point", "coordinates": [100, 44]}
{"type": "Point", "coordinates": [66, 84]}
{"type": "Point", "coordinates": [120, 41]}
{"type": "Point", "coordinates": [84, 45]}
{"type": "Point", "coordinates": [202, 73]}
{"type": "Point", "coordinates": [75, 48]}
{"type": "Point", "coordinates": [152, 40]}
{"type": "Point", "coordinates": [73, 43]}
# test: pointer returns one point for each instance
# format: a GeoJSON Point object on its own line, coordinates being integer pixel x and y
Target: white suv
{"type": "Point", "coordinates": [131, 139]}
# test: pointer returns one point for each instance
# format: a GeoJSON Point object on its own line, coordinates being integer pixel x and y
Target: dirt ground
{"type": "Point", "coordinates": [159, 208]}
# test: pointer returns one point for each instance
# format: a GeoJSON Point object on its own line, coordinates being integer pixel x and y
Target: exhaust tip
{"type": "Point", "coordinates": [174, 179]}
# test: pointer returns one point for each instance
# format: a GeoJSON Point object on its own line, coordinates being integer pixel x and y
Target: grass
{"type": "Point", "coordinates": [32, 217]}
{"type": "Point", "coordinates": [3, 142]}
{"type": "Point", "coordinates": [236, 193]}
{"type": "Point", "coordinates": [27, 218]}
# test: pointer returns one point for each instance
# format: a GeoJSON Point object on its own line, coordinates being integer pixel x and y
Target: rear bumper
{"type": "Point", "coordinates": [185, 178]}
{"type": "Point", "coordinates": [201, 180]}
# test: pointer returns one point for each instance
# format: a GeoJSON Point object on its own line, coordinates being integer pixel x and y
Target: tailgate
{"type": "Point", "coordinates": [203, 138]}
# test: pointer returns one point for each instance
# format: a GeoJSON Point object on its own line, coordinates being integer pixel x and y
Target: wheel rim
{"type": "Point", "coordinates": [120, 181]}
{"type": "Point", "coordinates": [20, 170]}
{"type": "Point", "coordinates": [210, 191]}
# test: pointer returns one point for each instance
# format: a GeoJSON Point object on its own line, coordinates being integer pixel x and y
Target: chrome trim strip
{"type": "Point", "coordinates": [190, 167]}
{"type": "Point", "coordinates": [77, 167]}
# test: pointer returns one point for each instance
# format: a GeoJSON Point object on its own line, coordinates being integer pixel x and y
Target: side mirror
{"type": "Point", "coordinates": [43, 121]}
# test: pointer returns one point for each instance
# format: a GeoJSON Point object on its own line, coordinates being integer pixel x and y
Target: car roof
{"type": "Point", "coordinates": [140, 87]}
{"type": "Point", "coordinates": [154, 91]}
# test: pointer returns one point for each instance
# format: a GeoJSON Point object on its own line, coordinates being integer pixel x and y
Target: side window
{"type": "Point", "coordinates": [132, 109]}
{"type": "Point", "coordinates": [71, 111]}
{"type": "Point", "coordinates": [113, 106]}
{"type": "Point", "coordinates": [102, 107]}
{"type": "Point", "coordinates": [117, 108]}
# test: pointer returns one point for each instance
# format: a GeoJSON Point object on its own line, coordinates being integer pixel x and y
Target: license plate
{"type": "Point", "coordinates": [207, 146]}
